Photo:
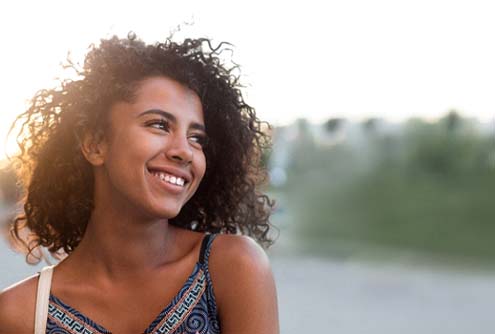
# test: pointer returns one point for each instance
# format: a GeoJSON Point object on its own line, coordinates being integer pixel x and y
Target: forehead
{"type": "Point", "coordinates": [168, 95]}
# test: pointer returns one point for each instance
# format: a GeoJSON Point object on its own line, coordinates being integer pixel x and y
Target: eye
{"type": "Point", "coordinates": [198, 139]}
{"type": "Point", "coordinates": [160, 124]}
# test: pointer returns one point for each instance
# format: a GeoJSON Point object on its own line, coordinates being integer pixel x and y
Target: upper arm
{"type": "Point", "coordinates": [17, 307]}
{"type": "Point", "coordinates": [244, 286]}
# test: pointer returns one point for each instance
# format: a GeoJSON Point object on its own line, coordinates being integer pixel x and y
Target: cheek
{"type": "Point", "coordinates": [131, 145]}
{"type": "Point", "coordinates": [203, 164]}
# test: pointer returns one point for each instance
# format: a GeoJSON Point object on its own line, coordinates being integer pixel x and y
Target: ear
{"type": "Point", "coordinates": [93, 147]}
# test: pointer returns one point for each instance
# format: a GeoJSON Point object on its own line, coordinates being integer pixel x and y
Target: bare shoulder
{"type": "Point", "coordinates": [17, 306]}
{"type": "Point", "coordinates": [233, 252]}
{"type": "Point", "coordinates": [236, 260]}
{"type": "Point", "coordinates": [244, 286]}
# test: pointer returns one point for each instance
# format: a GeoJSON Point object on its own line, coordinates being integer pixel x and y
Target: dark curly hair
{"type": "Point", "coordinates": [58, 180]}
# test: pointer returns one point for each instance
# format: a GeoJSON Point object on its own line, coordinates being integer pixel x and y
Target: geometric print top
{"type": "Point", "coordinates": [192, 311]}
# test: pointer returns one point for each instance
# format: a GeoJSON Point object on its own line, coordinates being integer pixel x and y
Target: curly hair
{"type": "Point", "coordinates": [58, 180]}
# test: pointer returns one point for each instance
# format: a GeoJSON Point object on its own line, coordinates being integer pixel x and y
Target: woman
{"type": "Point", "coordinates": [144, 170]}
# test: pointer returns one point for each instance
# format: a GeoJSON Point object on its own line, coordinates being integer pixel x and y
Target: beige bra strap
{"type": "Point", "coordinates": [42, 299]}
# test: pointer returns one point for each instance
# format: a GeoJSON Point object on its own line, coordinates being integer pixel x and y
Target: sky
{"type": "Point", "coordinates": [314, 59]}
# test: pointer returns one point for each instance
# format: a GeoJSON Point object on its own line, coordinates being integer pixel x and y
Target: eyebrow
{"type": "Point", "coordinates": [171, 117]}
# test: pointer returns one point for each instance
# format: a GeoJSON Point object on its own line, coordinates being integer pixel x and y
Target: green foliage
{"type": "Point", "coordinates": [427, 188]}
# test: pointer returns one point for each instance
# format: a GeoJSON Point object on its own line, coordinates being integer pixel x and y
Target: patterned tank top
{"type": "Point", "coordinates": [192, 311]}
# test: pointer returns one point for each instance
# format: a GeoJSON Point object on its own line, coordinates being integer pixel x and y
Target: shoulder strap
{"type": "Point", "coordinates": [205, 248]}
{"type": "Point", "coordinates": [42, 299]}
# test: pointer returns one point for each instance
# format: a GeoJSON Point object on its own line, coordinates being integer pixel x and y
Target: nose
{"type": "Point", "coordinates": [179, 149]}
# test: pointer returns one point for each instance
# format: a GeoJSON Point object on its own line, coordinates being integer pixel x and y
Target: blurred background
{"type": "Point", "coordinates": [383, 158]}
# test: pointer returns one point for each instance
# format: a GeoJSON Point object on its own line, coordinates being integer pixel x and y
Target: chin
{"type": "Point", "coordinates": [164, 209]}
{"type": "Point", "coordinates": [166, 213]}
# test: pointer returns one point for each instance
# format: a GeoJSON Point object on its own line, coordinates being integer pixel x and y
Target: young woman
{"type": "Point", "coordinates": [144, 170]}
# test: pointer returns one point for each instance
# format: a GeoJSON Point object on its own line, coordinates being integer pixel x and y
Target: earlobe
{"type": "Point", "coordinates": [93, 148]}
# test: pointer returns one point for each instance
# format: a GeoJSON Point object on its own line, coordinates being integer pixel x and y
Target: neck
{"type": "Point", "coordinates": [118, 246]}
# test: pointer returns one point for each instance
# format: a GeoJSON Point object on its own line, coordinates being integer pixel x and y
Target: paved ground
{"type": "Point", "coordinates": [322, 296]}
{"type": "Point", "coordinates": [350, 297]}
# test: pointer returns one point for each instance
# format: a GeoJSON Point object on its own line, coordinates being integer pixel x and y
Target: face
{"type": "Point", "coordinates": [152, 155]}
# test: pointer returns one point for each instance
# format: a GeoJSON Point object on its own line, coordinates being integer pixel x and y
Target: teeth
{"type": "Point", "coordinates": [170, 179]}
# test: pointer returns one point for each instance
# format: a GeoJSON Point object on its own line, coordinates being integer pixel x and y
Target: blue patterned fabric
{"type": "Point", "coordinates": [192, 311]}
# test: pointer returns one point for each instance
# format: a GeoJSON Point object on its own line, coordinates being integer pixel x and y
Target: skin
{"type": "Point", "coordinates": [104, 280]}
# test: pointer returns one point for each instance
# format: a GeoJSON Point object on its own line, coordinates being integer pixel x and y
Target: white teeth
{"type": "Point", "coordinates": [170, 178]}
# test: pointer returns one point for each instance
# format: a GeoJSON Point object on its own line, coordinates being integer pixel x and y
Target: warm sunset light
{"type": "Point", "coordinates": [313, 59]}
{"type": "Point", "coordinates": [373, 174]}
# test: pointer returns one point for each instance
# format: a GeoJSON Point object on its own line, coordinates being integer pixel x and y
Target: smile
{"type": "Point", "coordinates": [169, 178]}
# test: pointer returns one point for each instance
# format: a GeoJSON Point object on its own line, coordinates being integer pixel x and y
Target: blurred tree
{"type": "Point", "coordinates": [453, 121]}
{"type": "Point", "coordinates": [430, 188]}
{"type": "Point", "coordinates": [370, 125]}
{"type": "Point", "coordinates": [333, 124]}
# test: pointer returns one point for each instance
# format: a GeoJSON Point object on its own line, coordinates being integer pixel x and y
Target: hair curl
{"type": "Point", "coordinates": [59, 181]}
